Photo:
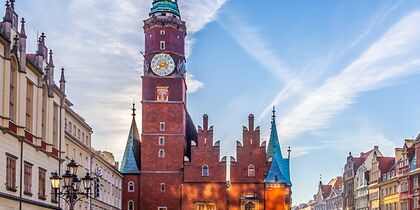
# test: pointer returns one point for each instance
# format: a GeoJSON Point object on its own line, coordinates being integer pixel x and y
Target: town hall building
{"type": "Point", "coordinates": [171, 164]}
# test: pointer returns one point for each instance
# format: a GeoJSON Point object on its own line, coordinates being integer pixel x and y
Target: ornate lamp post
{"type": "Point", "coordinates": [68, 186]}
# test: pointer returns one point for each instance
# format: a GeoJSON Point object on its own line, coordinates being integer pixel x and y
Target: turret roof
{"type": "Point", "coordinates": [170, 6]}
{"type": "Point", "coordinates": [280, 167]}
{"type": "Point", "coordinates": [131, 160]}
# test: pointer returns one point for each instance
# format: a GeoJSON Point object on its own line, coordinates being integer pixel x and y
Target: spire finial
{"type": "Point", "coordinates": [7, 4]}
{"type": "Point", "coordinates": [274, 114]}
{"type": "Point", "coordinates": [62, 81]}
{"type": "Point", "coordinates": [42, 37]}
{"type": "Point", "coordinates": [12, 4]}
{"type": "Point", "coordinates": [51, 61]}
{"type": "Point", "coordinates": [134, 110]}
{"type": "Point", "coordinates": [22, 28]}
{"type": "Point", "coordinates": [289, 150]}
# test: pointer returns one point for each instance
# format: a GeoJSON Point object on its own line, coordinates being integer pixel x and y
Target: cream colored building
{"type": "Point", "coordinates": [40, 133]}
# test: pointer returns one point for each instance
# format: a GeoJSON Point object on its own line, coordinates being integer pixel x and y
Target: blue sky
{"type": "Point", "coordinates": [344, 75]}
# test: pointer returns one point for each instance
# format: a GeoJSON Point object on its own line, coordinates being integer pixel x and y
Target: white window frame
{"type": "Point", "coordinates": [161, 153]}
{"type": "Point", "coordinates": [161, 140]}
{"type": "Point", "coordinates": [205, 170]}
{"type": "Point", "coordinates": [162, 187]}
{"type": "Point", "coordinates": [132, 202]}
{"type": "Point", "coordinates": [162, 126]}
{"type": "Point", "coordinates": [162, 32]}
{"type": "Point", "coordinates": [130, 184]}
{"type": "Point", "coordinates": [162, 208]}
{"type": "Point", "coordinates": [162, 45]}
{"type": "Point", "coordinates": [251, 167]}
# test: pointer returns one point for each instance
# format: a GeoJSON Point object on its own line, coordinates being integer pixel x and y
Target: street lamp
{"type": "Point", "coordinates": [71, 190]}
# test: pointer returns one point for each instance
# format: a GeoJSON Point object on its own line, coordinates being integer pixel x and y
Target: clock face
{"type": "Point", "coordinates": [163, 64]}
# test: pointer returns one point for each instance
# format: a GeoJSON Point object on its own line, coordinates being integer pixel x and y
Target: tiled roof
{"type": "Point", "coordinates": [385, 164]}
{"type": "Point", "coordinates": [326, 191]}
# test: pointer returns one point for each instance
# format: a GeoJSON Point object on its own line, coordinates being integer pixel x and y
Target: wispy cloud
{"type": "Point", "coordinates": [99, 44]}
{"type": "Point", "coordinates": [395, 55]}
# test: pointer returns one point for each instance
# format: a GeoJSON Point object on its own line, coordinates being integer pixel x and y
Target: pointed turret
{"type": "Point", "coordinates": [62, 82]}
{"type": "Point", "coordinates": [274, 138]}
{"type": "Point", "coordinates": [131, 160]}
{"type": "Point", "coordinates": [165, 6]}
{"type": "Point", "coordinates": [279, 170]}
{"type": "Point", "coordinates": [51, 67]}
{"type": "Point", "coordinates": [22, 43]}
{"type": "Point", "coordinates": [22, 28]}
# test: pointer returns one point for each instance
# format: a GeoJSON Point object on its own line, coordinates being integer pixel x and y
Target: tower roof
{"type": "Point", "coordinates": [131, 159]}
{"type": "Point", "coordinates": [280, 167]}
{"type": "Point", "coordinates": [165, 6]}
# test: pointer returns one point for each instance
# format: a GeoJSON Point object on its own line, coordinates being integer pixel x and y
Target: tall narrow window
{"type": "Point", "coordinates": [55, 125]}
{"type": "Point", "coordinates": [161, 140]}
{"type": "Point", "coordinates": [161, 153]}
{"type": "Point", "coordinates": [205, 170]}
{"type": "Point", "coordinates": [251, 170]}
{"type": "Point", "coordinates": [41, 184]}
{"type": "Point", "coordinates": [13, 90]}
{"type": "Point", "coordinates": [29, 105]}
{"type": "Point", "coordinates": [44, 112]}
{"type": "Point", "coordinates": [130, 186]}
{"type": "Point", "coordinates": [162, 45]}
{"type": "Point", "coordinates": [162, 187]}
{"type": "Point", "coordinates": [162, 32]}
{"type": "Point", "coordinates": [130, 205]}
{"type": "Point", "coordinates": [27, 179]}
{"type": "Point", "coordinates": [162, 126]}
{"type": "Point", "coordinates": [11, 172]}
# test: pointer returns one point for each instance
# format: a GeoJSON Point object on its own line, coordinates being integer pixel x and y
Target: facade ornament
{"type": "Point", "coordinates": [146, 67]}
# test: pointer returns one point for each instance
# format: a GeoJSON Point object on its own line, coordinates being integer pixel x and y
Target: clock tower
{"type": "Point", "coordinates": [165, 120]}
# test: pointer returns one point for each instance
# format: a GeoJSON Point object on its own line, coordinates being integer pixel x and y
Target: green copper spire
{"type": "Point", "coordinates": [165, 6]}
{"type": "Point", "coordinates": [274, 138]}
{"type": "Point", "coordinates": [280, 167]}
{"type": "Point", "coordinates": [131, 160]}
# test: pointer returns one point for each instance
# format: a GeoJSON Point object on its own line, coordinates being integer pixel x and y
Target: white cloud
{"type": "Point", "coordinates": [395, 55]}
{"type": "Point", "coordinates": [99, 44]}
{"type": "Point", "coordinates": [193, 85]}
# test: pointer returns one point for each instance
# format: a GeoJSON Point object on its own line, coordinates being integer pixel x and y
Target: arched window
{"type": "Point", "coordinates": [13, 89]}
{"type": "Point", "coordinates": [130, 205]}
{"type": "Point", "coordinates": [250, 206]}
{"type": "Point", "coordinates": [130, 186]}
{"type": "Point", "coordinates": [161, 153]}
{"type": "Point", "coordinates": [251, 170]}
{"type": "Point", "coordinates": [205, 170]}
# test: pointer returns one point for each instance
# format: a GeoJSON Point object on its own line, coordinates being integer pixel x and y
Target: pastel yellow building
{"type": "Point", "coordinates": [389, 192]}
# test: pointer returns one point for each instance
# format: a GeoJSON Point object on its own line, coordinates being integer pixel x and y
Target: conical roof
{"type": "Point", "coordinates": [131, 162]}
{"type": "Point", "coordinates": [280, 167]}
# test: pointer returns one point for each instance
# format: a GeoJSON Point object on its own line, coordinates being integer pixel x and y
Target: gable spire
{"type": "Point", "coordinates": [131, 162]}
{"type": "Point", "coordinates": [280, 167]}
{"type": "Point", "coordinates": [274, 139]}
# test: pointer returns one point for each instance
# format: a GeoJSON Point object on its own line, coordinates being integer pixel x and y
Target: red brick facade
{"type": "Point", "coordinates": [181, 168]}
